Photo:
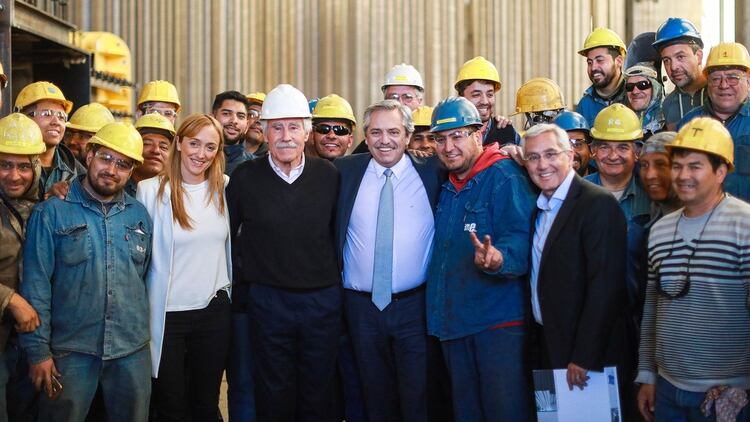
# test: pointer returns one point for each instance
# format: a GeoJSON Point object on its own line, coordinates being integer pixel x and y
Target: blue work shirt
{"type": "Point", "coordinates": [85, 274]}
{"type": "Point", "coordinates": [636, 205]}
{"type": "Point", "coordinates": [736, 183]}
{"type": "Point", "coordinates": [462, 299]}
{"type": "Point", "coordinates": [591, 103]}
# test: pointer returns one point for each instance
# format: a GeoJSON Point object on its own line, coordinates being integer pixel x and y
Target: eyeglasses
{"type": "Point", "coordinates": [579, 144]}
{"type": "Point", "coordinates": [21, 167]}
{"type": "Point", "coordinates": [166, 112]}
{"type": "Point", "coordinates": [548, 155]}
{"type": "Point", "coordinates": [109, 159]}
{"type": "Point", "coordinates": [253, 115]}
{"type": "Point", "coordinates": [405, 97]}
{"type": "Point", "coordinates": [732, 80]}
{"type": "Point", "coordinates": [455, 137]}
{"type": "Point", "coordinates": [545, 116]}
{"type": "Point", "coordinates": [49, 113]}
{"type": "Point", "coordinates": [641, 85]}
{"type": "Point", "coordinates": [338, 130]}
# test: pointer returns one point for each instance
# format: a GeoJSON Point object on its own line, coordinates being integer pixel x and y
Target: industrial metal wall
{"type": "Point", "coordinates": [324, 46]}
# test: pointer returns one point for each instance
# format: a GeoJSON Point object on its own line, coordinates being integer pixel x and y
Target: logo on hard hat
{"type": "Point", "coordinates": [724, 54]}
{"type": "Point", "coordinates": [696, 130]}
{"type": "Point", "coordinates": [51, 90]}
{"type": "Point", "coordinates": [446, 120]}
{"type": "Point", "coordinates": [614, 122]}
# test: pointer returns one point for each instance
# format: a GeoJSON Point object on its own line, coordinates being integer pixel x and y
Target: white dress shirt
{"type": "Point", "coordinates": [413, 222]}
{"type": "Point", "coordinates": [548, 209]}
{"type": "Point", "coordinates": [293, 174]}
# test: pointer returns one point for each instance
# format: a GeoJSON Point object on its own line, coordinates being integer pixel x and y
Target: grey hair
{"type": "Point", "coordinates": [390, 105]}
{"type": "Point", "coordinates": [306, 123]}
{"type": "Point", "coordinates": [560, 135]}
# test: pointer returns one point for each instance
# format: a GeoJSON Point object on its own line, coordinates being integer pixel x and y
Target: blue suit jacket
{"type": "Point", "coordinates": [352, 170]}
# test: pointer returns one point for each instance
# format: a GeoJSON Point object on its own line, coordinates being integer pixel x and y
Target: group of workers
{"type": "Point", "coordinates": [422, 276]}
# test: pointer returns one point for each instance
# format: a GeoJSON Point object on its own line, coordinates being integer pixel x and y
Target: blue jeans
{"type": "Point", "coordinates": [676, 405]}
{"type": "Point", "coordinates": [125, 383]}
{"type": "Point", "coordinates": [240, 389]}
{"type": "Point", "coordinates": [488, 375]}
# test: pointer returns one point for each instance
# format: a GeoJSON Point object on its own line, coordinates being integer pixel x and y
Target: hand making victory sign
{"type": "Point", "coordinates": [486, 256]}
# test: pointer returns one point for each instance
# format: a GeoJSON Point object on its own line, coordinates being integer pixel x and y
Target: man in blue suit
{"type": "Point", "coordinates": [384, 270]}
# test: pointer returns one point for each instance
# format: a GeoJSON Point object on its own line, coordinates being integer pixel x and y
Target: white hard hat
{"type": "Point", "coordinates": [403, 74]}
{"type": "Point", "coordinates": [283, 102]}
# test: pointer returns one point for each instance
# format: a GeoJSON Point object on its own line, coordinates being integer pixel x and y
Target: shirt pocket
{"type": "Point", "coordinates": [477, 218]}
{"type": "Point", "coordinates": [742, 155]}
{"type": "Point", "coordinates": [138, 242]}
{"type": "Point", "coordinates": [75, 244]}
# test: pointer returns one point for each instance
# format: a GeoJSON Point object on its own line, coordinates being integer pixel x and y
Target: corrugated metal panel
{"type": "Point", "coordinates": [324, 46]}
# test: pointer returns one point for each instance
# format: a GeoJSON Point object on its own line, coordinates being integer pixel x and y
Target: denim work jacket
{"type": "Point", "coordinates": [736, 183]}
{"type": "Point", "coordinates": [85, 274]}
{"type": "Point", "coordinates": [462, 299]}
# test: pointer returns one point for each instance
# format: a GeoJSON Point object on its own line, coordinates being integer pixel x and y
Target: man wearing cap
{"type": "Point", "coordinates": [694, 362]}
{"type": "Point", "coordinates": [47, 106]}
{"type": "Point", "coordinates": [577, 275]}
{"type": "Point", "coordinates": [282, 220]}
{"type": "Point", "coordinates": [83, 124]}
{"type": "Point", "coordinates": [579, 135]}
{"type": "Point", "coordinates": [159, 97]}
{"type": "Point", "coordinates": [384, 270]}
{"type": "Point", "coordinates": [333, 127]}
{"type": "Point", "coordinates": [645, 95]}
{"type": "Point", "coordinates": [655, 170]}
{"type": "Point", "coordinates": [255, 144]}
{"type": "Point", "coordinates": [157, 133]}
{"type": "Point", "coordinates": [230, 108]}
{"type": "Point", "coordinates": [476, 298]}
{"type": "Point", "coordinates": [479, 82]}
{"type": "Point", "coordinates": [92, 249]}
{"type": "Point", "coordinates": [20, 145]}
{"type": "Point", "coordinates": [681, 49]}
{"type": "Point", "coordinates": [605, 54]}
{"type": "Point", "coordinates": [727, 70]}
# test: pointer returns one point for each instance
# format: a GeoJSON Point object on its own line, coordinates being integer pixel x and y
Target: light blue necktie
{"type": "Point", "coordinates": [382, 269]}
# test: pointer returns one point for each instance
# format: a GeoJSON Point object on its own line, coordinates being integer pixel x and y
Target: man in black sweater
{"type": "Point", "coordinates": [282, 217]}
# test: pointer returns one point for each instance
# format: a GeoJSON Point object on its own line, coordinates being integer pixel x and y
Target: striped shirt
{"type": "Point", "coordinates": [700, 339]}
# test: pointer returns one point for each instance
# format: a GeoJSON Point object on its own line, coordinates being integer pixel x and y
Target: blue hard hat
{"type": "Point", "coordinates": [570, 120]}
{"type": "Point", "coordinates": [453, 113]}
{"type": "Point", "coordinates": [312, 103]}
{"type": "Point", "coordinates": [674, 29]}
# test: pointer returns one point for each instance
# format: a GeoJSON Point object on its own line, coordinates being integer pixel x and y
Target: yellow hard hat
{"type": "Point", "coordinates": [39, 91]}
{"type": "Point", "coordinates": [539, 94]}
{"type": "Point", "coordinates": [3, 76]}
{"type": "Point", "coordinates": [120, 137]}
{"type": "Point", "coordinates": [707, 135]}
{"type": "Point", "coordinates": [478, 68]}
{"type": "Point", "coordinates": [256, 97]}
{"type": "Point", "coordinates": [154, 121]}
{"type": "Point", "coordinates": [617, 123]}
{"type": "Point", "coordinates": [90, 118]}
{"type": "Point", "coordinates": [422, 116]}
{"type": "Point", "coordinates": [728, 54]}
{"type": "Point", "coordinates": [334, 107]}
{"type": "Point", "coordinates": [603, 37]}
{"type": "Point", "coordinates": [20, 135]}
{"type": "Point", "coordinates": [160, 91]}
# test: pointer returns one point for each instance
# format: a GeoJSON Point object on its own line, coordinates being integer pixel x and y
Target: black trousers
{"type": "Point", "coordinates": [295, 340]}
{"type": "Point", "coordinates": [194, 352]}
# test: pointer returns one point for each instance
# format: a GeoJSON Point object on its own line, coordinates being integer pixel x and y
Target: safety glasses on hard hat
{"type": "Point", "coordinates": [166, 112]}
{"type": "Point", "coordinates": [338, 130]}
{"type": "Point", "coordinates": [641, 85]}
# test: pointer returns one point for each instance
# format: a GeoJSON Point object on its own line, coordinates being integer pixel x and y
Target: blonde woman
{"type": "Point", "coordinates": [190, 274]}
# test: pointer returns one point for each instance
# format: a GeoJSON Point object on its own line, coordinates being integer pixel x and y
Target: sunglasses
{"type": "Point", "coordinates": [338, 130]}
{"type": "Point", "coordinates": [641, 85]}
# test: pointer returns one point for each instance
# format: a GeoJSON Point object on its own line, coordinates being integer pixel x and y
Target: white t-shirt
{"type": "Point", "coordinates": [199, 265]}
